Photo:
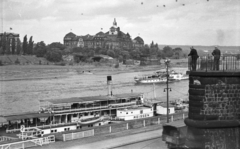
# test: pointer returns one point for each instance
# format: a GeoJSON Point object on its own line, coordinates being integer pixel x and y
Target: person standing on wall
{"type": "Point", "coordinates": [216, 53]}
{"type": "Point", "coordinates": [194, 55]}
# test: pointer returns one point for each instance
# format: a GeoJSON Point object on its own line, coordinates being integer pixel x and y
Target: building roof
{"type": "Point", "coordinates": [139, 40]}
{"type": "Point", "coordinates": [70, 35]}
{"type": "Point", "coordinates": [9, 33]}
{"type": "Point", "coordinates": [100, 34]}
{"type": "Point", "coordinates": [165, 105]}
{"type": "Point", "coordinates": [103, 56]}
{"type": "Point", "coordinates": [87, 37]}
{"type": "Point", "coordinates": [91, 98]}
{"type": "Point", "coordinates": [133, 109]}
{"type": "Point", "coordinates": [24, 116]}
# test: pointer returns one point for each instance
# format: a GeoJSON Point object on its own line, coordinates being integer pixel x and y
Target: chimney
{"type": "Point", "coordinates": [109, 83]}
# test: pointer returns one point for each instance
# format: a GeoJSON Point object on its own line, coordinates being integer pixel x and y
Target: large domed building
{"type": "Point", "coordinates": [112, 39]}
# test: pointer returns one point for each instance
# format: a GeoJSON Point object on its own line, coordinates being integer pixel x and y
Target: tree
{"type": "Point", "coordinates": [25, 45]}
{"type": "Point", "coordinates": [30, 46]}
{"type": "Point", "coordinates": [7, 50]}
{"type": "Point", "coordinates": [40, 49]}
{"type": "Point", "coordinates": [56, 45]}
{"type": "Point", "coordinates": [4, 44]}
{"type": "Point", "coordinates": [111, 53]}
{"type": "Point", "coordinates": [135, 54]}
{"type": "Point", "coordinates": [13, 46]}
{"type": "Point", "coordinates": [168, 52]}
{"type": "Point", "coordinates": [152, 45]}
{"type": "Point", "coordinates": [54, 55]}
{"type": "Point", "coordinates": [77, 50]}
{"type": "Point", "coordinates": [19, 48]}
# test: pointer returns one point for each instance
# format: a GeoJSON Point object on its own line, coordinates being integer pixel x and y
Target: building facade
{"type": "Point", "coordinates": [112, 39]}
{"type": "Point", "coordinates": [9, 42]}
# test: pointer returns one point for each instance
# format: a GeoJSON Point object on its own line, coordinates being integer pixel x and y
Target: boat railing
{"type": "Point", "coordinates": [115, 105]}
{"type": "Point", "coordinates": [78, 109]}
{"type": "Point", "coordinates": [39, 126]}
{"type": "Point", "coordinates": [122, 104]}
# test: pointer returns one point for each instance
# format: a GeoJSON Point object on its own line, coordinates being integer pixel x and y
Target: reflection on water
{"type": "Point", "coordinates": [23, 95]}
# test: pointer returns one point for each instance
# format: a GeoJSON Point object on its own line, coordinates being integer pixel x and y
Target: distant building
{"type": "Point", "coordinates": [112, 39]}
{"type": "Point", "coordinates": [71, 40]}
{"type": "Point", "coordinates": [12, 40]}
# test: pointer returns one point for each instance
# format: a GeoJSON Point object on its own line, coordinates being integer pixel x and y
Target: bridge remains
{"type": "Point", "coordinates": [214, 105]}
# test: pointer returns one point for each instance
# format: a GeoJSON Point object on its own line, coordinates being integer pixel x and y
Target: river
{"type": "Point", "coordinates": [23, 95]}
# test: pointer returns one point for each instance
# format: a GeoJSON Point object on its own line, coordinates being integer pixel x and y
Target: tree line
{"type": "Point", "coordinates": [54, 51]}
{"type": "Point", "coordinates": [11, 46]}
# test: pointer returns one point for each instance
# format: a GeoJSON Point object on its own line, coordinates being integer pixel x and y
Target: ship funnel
{"type": "Point", "coordinates": [109, 83]}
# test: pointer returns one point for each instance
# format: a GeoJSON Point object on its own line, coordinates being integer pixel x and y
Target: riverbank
{"type": "Point", "coordinates": [30, 72]}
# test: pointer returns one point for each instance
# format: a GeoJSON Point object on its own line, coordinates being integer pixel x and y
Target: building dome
{"type": "Point", "coordinates": [70, 35]}
{"type": "Point", "coordinates": [139, 40]}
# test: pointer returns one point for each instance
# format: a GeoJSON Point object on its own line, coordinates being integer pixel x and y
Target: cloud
{"type": "Point", "coordinates": [192, 23]}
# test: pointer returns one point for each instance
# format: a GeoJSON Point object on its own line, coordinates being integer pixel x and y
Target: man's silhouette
{"type": "Point", "coordinates": [194, 56]}
{"type": "Point", "coordinates": [216, 53]}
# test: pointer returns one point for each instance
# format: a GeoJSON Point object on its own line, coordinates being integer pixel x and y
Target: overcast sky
{"type": "Point", "coordinates": [198, 22]}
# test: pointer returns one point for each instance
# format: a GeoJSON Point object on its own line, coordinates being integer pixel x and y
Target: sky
{"type": "Point", "coordinates": [167, 22]}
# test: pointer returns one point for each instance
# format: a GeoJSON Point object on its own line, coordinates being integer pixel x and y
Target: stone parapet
{"type": "Point", "coordinates": [214, 97]}
{"type": "Point", "coordinates": [214, 110]}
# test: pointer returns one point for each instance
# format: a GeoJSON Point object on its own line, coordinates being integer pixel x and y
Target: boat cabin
{"type": "Point", "coordinates": [161, 108]}
{"type": "Point", "coordinates": [134, 113]}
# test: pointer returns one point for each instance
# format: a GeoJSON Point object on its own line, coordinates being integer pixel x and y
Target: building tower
{"type": "Point", "coordinates": [113, 30]}
{"type": "Point", "coordinates": [115, 23]}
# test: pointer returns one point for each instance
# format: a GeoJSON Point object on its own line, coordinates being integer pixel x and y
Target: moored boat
{"type": "Point", "coordinates": [160, 77]}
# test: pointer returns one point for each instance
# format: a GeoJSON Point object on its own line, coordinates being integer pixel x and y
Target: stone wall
{"type": "Point", "coordinates": [215, 98]}
{"type": "Point", "coordinates": [214, 110]}
{"type": "Point", "coordinates": [224, 138]}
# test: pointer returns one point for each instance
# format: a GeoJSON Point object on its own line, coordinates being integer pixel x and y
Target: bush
{"type": "Point", "coordinates": [60, 64]}
{"type": "Point", "coordinates": [17, 61]}
{"type": "Point", "coordinates": [117, 65]}
{"type": "Point", "coordinates": [54, 55]}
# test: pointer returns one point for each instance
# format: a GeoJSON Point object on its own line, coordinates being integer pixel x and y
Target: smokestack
{"type": "Point", "coordinates": [109, 83]}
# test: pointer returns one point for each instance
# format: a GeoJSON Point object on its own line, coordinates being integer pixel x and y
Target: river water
{"type": "Point", "coordinates": [23, 95]}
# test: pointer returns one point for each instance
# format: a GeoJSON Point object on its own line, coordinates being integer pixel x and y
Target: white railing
{"type": "Point", "coordinates": [39, 126]}
{"type": "Point", "coordinates": [78, 135]}
{"type": "Point", "coordinates": [29, 143]}
{"type": "Point", "coordinates": [6, 138]}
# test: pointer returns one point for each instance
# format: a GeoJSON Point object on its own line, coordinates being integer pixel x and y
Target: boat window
{"type": "Point", "coordinates": [127, 113]}
{"type": "Point", "coordinates": [51, 130]}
